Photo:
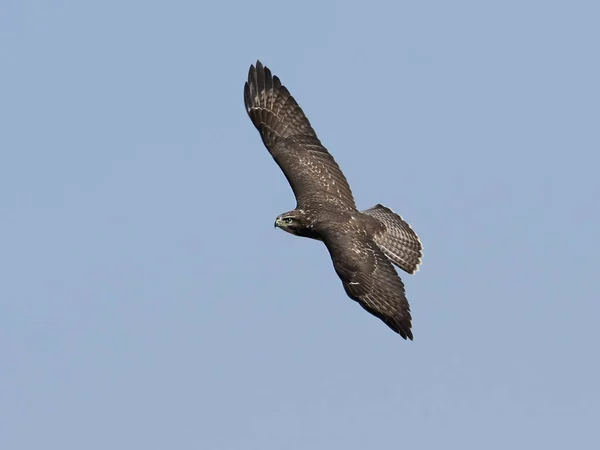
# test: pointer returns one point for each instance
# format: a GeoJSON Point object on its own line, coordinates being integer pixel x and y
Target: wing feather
{"type": "Point", "coordinates": [370, 279]}
{"type": "Point", "coordinates": [286, 132]}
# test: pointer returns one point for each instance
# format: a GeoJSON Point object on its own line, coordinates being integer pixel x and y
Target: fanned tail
{"type": "Point", "coordinates": [398, 241]}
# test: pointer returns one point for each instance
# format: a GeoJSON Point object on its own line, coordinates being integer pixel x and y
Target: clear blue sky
{"type": "Point", "coordinates": [146, 300]}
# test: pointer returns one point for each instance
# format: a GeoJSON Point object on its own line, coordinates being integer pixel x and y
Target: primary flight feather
{"type": "Point", "coordinates": [362, 244]}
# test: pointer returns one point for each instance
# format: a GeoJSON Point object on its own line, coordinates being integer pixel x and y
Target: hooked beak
{"type": "Point", "coordinates": [276, 224]}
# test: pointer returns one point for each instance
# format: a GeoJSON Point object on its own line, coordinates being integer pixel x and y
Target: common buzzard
{"type": "Point", "coordinates": [362, 244]}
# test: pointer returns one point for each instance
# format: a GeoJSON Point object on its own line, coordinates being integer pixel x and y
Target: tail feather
{"type": "Point", "coordinates": [398, 241]}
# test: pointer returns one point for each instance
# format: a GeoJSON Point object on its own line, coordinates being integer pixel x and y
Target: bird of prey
{"type": "Point", "coordinates": [362, 244]}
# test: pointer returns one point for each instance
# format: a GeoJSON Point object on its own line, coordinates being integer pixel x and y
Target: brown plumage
{"type": "Point", "coordinates": [363, 245]}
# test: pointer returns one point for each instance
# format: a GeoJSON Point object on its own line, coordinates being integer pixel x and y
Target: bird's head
{"type": "Point", "coordinates": [294, 222]}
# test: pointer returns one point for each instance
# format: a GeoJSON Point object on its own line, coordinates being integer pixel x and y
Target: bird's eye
{"type": "Point", "coordinates": [287, 220]}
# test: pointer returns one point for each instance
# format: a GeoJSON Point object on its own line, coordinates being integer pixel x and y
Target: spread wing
{"type": "Point", "coordinates": [286, 132]}
{"type": "Point", "coordinates": [370, 279]}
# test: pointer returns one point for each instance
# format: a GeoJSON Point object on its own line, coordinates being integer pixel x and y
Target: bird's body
{"type": "Point", "coordinates": [362, 244]}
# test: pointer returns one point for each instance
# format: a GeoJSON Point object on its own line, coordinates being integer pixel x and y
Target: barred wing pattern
{"type": "Point", "coordinates": [369, 278]}
{"type": "Point", "coordinates": [311, 171]}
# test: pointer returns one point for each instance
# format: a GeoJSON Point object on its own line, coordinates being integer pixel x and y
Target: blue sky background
{"type": "Point", "coordinates": [146, 300]}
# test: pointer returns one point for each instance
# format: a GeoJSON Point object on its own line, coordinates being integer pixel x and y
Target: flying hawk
{"type": "Point", "coordinates": [362, 244]}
